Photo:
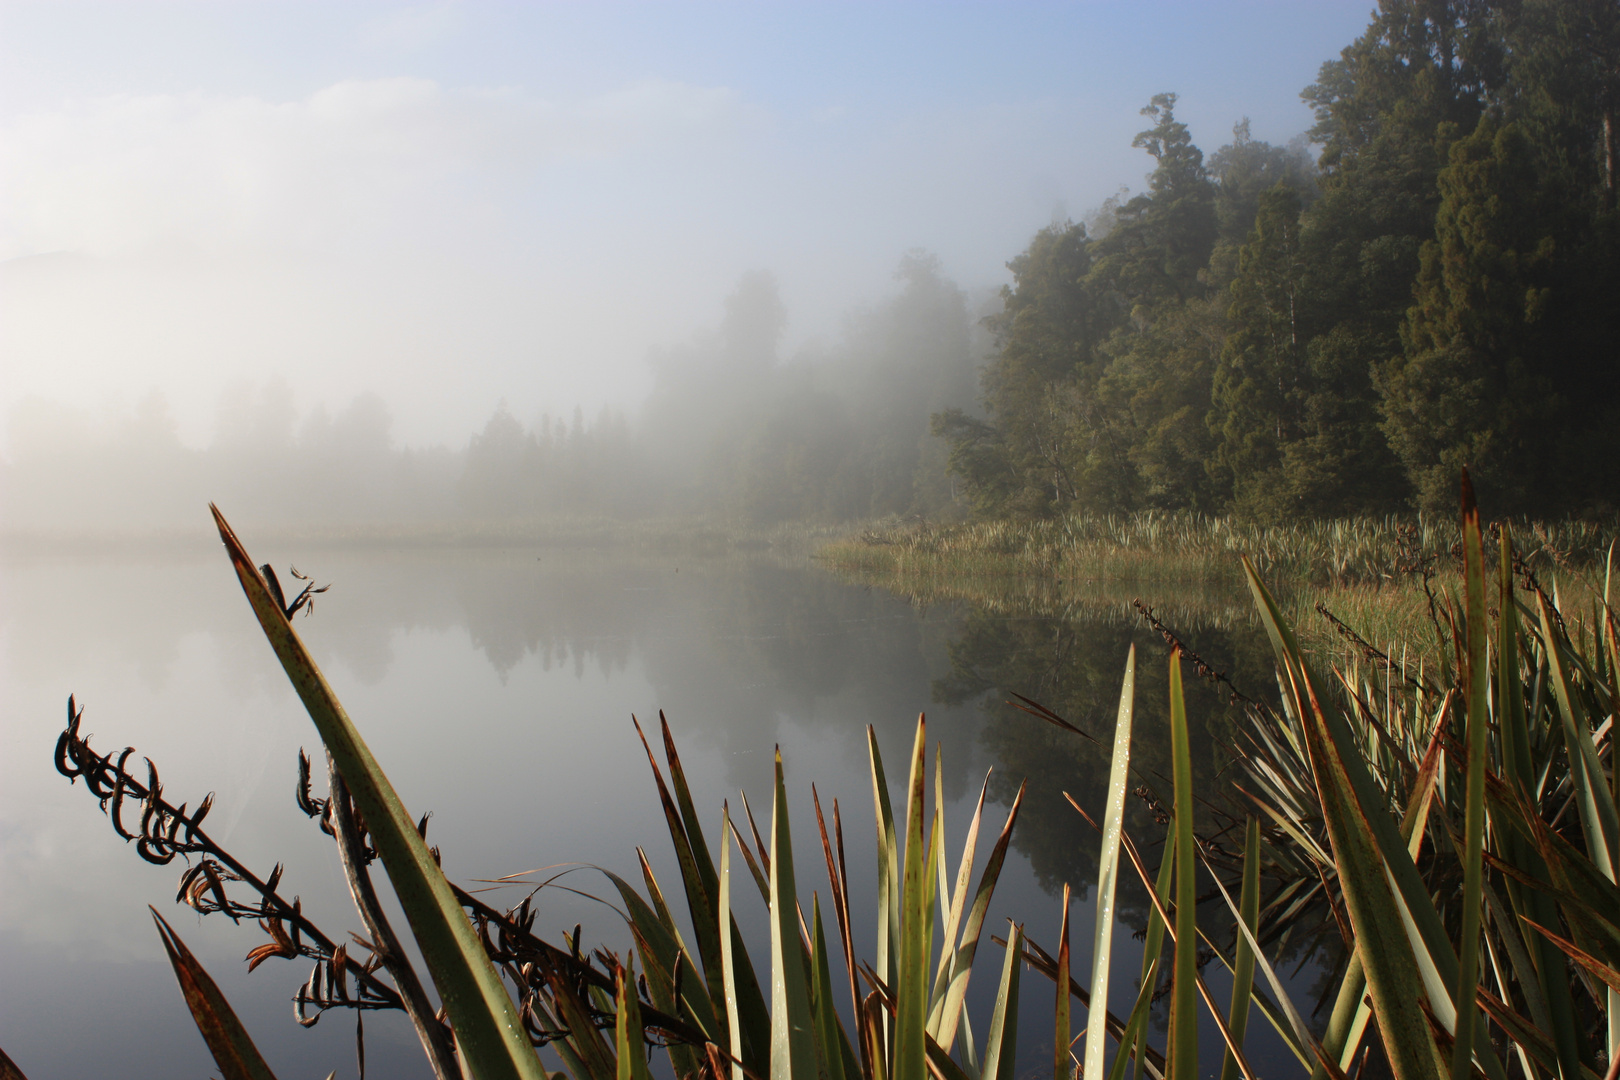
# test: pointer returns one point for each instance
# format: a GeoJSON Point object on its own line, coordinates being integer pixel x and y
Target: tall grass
{"type": "Point", "coordinates": [1385, 577]}
{"type": "Point", "coordinates": [1180, 548]}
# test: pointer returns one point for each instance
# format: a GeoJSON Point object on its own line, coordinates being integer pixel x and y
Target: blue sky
{"type": "Point", "coordinates": [455, 204]}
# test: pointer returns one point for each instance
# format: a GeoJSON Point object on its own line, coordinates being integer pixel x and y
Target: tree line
{"type": "Point", "coordinates": [1273, 336]}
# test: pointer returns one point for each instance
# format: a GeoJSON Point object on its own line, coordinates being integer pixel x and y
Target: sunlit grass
{"type": "Point", "coordinates": [1368, 572]}
{"type": "Point", "coordinates": [1191, 548]}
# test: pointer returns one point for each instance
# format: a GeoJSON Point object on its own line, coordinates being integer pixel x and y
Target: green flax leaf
{"type": "Point", "coordinates": [916, 923]}
{"type": "Point", "coordinates": [1393, 972]}
{"type": "Point", "coordinates": [1473, 894]}
{"type": "Point", "coordinates": [887, 957]}
{"type": "Point", "coordinates": [1102, 938]}
{"type": "Point", "coordinates": [973, 925]}
{"type": "Point", "coordinates": [1184, 1003]}
{"type": "Point", "coordinates": [829, 1033]}
{"type": "Point", "coordinates": [727, 972]}
{"type": "Point", "coordinates": [629, 1042]}
{"type": "Point", "coordinates": [488, 1033]}
{"type": "Point", "coordinates": [1243, 965]}
{"type": "Point", "coordinates": [793, 1051]}
{"type": "Point", "coordinates": [1001, 1042]}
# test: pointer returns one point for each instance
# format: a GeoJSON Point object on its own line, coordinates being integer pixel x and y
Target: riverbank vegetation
{"type": "Point", "coordinates": [1375, 574]}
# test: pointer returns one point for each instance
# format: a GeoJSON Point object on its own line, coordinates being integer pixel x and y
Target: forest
{"type": "Point", "coordinates": [1262, 334]}
{"type": "Point", "coordinates": [1424, 280]}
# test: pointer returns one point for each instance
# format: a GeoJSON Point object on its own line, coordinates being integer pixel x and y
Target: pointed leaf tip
{"type": "Point", "coordinates": [9, 1069]}
{"type": "Point", "coordinates": [228, 1041]}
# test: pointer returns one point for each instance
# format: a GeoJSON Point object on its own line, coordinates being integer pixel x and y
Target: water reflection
{"type": "Point", "coordinates": [496, 686]}
{"type": "Point", "coordinates": [1074, 668]}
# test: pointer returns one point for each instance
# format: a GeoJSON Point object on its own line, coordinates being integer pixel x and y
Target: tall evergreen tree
{"type": "Point", "coordinates": [1259, 384]}
{"type": "Point", "coordinates": [1386, 113]}
{"type": "Point", "coordinates": [1161, 240]}
{"type": "Point", "coordinates": [1032, 455]}
{"type": "Point", "coordinates": [1472, 386]}
{"type": "Point", "coordinates": [1246, 169]}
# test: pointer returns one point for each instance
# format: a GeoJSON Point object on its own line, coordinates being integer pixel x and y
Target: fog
{"type": "Point", "coordinates": [326, 259]}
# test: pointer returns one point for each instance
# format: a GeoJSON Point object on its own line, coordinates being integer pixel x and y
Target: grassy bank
{"type": "Point", "coordinates": [1369, 572]}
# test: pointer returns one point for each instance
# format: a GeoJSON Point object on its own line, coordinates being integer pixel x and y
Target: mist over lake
{"type": "Point", "coordinates": [820, 542]}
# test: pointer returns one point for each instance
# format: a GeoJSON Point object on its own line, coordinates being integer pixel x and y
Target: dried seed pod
{"type": "Point", "coordinates": [115, 811]}
{"type": "Point", "coordinates": [258, 955]}
{"type": "Point", "coordinates": [186, 879]}
{"type": "Point", "coordinates": [66, 763]}
{"type": "Point", "coordinates": [197, 819]}
{"type": "Point", "coordinates": [281, 944]}
{"type": "Point", "coordinates": [311, 806]}
{"type": "Point", "coordinates": [154, 852]}
{"type": "Point", "coordinates": [338, 972]}
{"type": "Point", "coordinates": [300, 1002]}
{"type": "Point", "coordinates": [215, 884]}
{"type": "Point", "coordinates": [273, 927]}
{"type": "Point", "coordinates": [175, 820]}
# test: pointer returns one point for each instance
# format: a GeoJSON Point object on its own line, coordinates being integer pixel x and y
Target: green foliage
{"type": "Point", "coordinates": [1473, 386]}
{"type": "Point", "coordinates": [1281, 341]}
{"type": "Point", "coordinates": [1260, 383]}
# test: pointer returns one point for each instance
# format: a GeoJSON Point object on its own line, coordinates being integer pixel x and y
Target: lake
{"type": "Point", "coordinates": [497, 688]}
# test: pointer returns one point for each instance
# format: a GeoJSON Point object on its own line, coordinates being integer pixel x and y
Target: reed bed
{"type": "Point", "coordinates": [1154, 547]}
{"type": "Point", "coordinates": [1387, 577]}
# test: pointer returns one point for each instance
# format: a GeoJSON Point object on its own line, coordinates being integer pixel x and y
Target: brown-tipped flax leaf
{"type": "Point", "coordinates": [233, 1051]}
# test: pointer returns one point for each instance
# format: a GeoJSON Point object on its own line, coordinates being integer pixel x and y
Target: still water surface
{"type": "Point", "coordinates": [497, 689]}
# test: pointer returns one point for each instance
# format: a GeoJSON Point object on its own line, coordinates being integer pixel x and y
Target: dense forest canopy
{"type": "Point", "coordinates": [1426, 279]}
{"type": "Point", "coordinates": [1261, 334]}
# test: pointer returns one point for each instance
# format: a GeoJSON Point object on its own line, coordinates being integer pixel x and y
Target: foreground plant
{"type": "Point", "coordinates": [504, 993]}
{"type": "Point", "coordinates": [1464, 825]}
{"type": "Point", "coordinates": [1457, 827]}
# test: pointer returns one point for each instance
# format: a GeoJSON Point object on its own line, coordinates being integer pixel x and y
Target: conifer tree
{"type": "Point", "coordinates": [1472, 385]}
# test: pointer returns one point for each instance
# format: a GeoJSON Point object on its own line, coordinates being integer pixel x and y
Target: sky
{"type": "Point", "coordinates": [453, 205]}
